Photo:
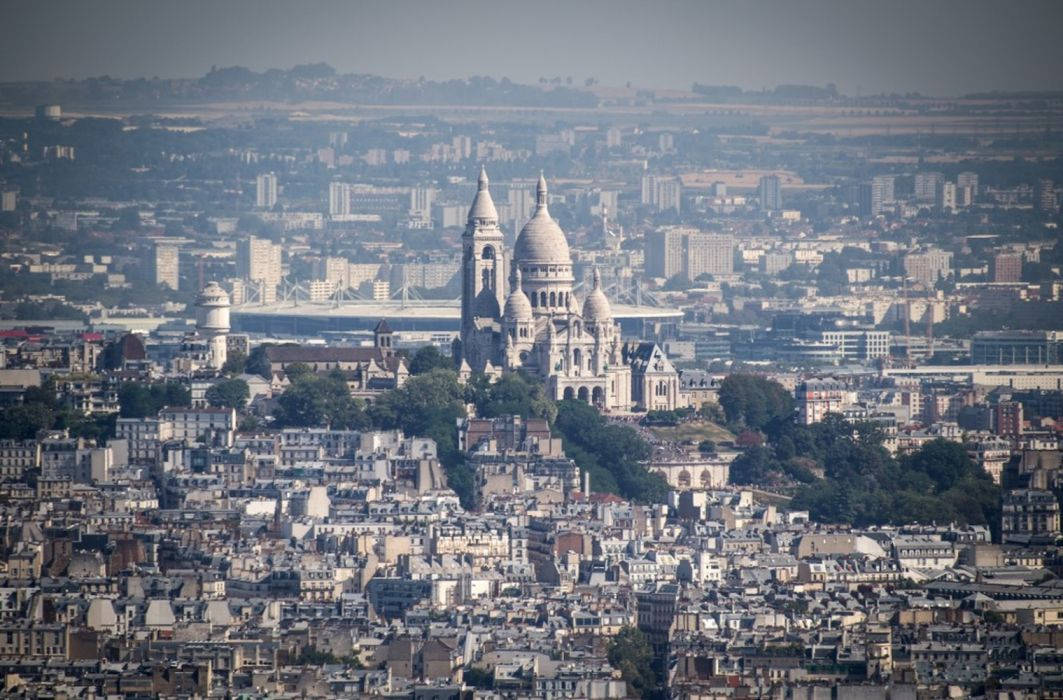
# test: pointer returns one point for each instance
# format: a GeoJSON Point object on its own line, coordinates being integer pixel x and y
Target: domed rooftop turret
{"type": "Point", "coordinates": [483, 207]}
{"type": "Point", "coordinates": [518, 307]}
{"type": "Point", "coordinates": [213, 295]}
{"type": "Point", "coordinates": [542, 240]}
{"type": "Point", "coordinates": [596, 307]}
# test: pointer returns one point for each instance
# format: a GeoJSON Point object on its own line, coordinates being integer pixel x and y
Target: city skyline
{"type": "Point", "coordinates": [941, 49]}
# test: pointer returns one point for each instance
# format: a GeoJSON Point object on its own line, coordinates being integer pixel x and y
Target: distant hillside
{"type": "Point", "coordinates": [317, 81]}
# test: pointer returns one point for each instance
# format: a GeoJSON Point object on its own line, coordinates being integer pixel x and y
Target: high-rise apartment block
{"type": "Point", "coordinates": [1007, 267]}
{"type": "Point", "coordinates": [688, 253]}
{"type": "Point", "coordinates": [664, 193]}
{"type": "Point", "coordinates": [421, 199]}
{"type": "Point", "coordinates": [339, 199]}
{"type": "Point", "coordinates": [946, 197]}
{"type": "Point", "coordinates": [882, 189]}
{"type": "Point", "coordinates": [1044, 196]}
{"type": "Point", "coordinates": [928, 266]}
{"type": "Point", "coordinates": [167, 264]}
{"type": "Point", "coordinates": [266, 191]}
{"type": "Point", "coordinates": [259, 260]}
{"type": "Point", "coordinates": [968, 179]}
{"type": "Point", "coordinates": [770, 193]}
{"type": "Point", "coordinates": [926, 186]}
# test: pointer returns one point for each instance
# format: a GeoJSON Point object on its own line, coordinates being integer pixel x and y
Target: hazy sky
{"type": "Point", "coordinates": [942, 47]}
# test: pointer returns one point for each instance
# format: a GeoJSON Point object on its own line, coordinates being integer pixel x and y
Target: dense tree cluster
{"type": "Point", "coordinates": [41, 410]}
{"type": "Point", "coordinates": [228, 393]}
{"type": "Point", "coordinates": [750, 401]}
{"type": "Point", "coordinates": [845, 475]}
{"type": "Point", "coordinates": [429, 358]}
{"type": "Point", "coordinates": [319, 399]}
{"type": "Point", "coordinates": [139, 400]}
{"type": "Point", "coordinates": [631, 653]}
{"type": "Point", "coordinates": [611, 453]}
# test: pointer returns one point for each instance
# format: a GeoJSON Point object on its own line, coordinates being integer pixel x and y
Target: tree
{"type": "Point", "coordinates": [611, 454]}
{"type": "Point", "coordinates": [752, 466]}
{"type": "Point", "coordinates": [228, 393]}
{"type": "Point", "coordinates": [137, 400]}
{"type": "Point", "coordinates": [512, 394]}
{"type": "Point", "coordinates": [754, 402]}
{"type": "Point", "coordinates": [316, 400]}
{"type": "Point", "coordinates": [429, 358]}
{"type": "Point", "coordinates": [24, 421]}
{"type": "Point", "coordinates": [630, 652]}
{"type": "Point", "coordinates": [235, 363]}
{"type": "Point", "coordinates": [946, 463]}
{"type": "Point", "coordinates": [297, 370]}
{"type": "Point", "coordinates": [258, 362]}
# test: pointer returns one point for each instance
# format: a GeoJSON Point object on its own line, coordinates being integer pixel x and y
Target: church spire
{"type": "Point", "coordinates": [540, 191]}
{"type": "Point", "coordinates": [483, 207]}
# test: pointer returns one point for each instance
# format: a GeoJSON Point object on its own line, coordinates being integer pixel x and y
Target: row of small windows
{"type": "Point", "coordinates": [553, 299]}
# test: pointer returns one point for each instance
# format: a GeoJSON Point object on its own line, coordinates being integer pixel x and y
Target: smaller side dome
{"type": "Point", "coordinates": [596, 307]}
{"type": "Point", "coordinates": [518, 307]}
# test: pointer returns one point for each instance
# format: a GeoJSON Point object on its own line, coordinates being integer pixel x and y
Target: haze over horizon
{"type": "Point", "coordinates": [943, 48]}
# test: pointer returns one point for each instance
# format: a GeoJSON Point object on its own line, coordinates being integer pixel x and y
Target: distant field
{"type": "Point", "coordinates": [695, 431]}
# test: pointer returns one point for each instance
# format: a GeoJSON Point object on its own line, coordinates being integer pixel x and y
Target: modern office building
{"type": "Point", "coordinates": [1017, 348]}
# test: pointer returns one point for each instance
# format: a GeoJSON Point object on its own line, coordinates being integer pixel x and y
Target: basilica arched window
{"type": "Point", "coordinates": [553, 299]}
{"type": "Point", "coordinates": [486, 275]}
{"type": "Point", "coordinates": [542, 298]}
{"type": "Point", "coordinates": [488, 253]}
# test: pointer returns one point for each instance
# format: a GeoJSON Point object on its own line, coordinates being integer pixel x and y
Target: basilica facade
{"type": "Point", "coordinates": [521, 313]}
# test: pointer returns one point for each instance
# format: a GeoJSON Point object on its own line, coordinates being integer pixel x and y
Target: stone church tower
{"type": "Point", "coordinates": [483, 277]}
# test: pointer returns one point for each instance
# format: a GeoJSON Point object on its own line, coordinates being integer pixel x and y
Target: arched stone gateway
{"type": "Point", "coordinates": [569, 394]}
{"type": "Point", "coordinates": [583, 394]}
{"type": "Point", "coordinates": [598, 395]}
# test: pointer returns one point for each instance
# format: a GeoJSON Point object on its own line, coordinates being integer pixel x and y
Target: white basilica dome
{"type": "Point", "coordinates": [542, 240]}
